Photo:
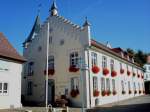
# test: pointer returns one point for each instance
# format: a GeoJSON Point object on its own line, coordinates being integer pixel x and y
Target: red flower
{"type": "Point", "coordinates": [73, 68]}
{"type": "Point", "coordinates": [74, 93]}
{"type": "Point", "coordinates": [130, 91]}
{"type": "Point", "coordinates": [105, 71]}
{"type": "Point", "coordinates": [114, 92]}
{"type": "Point", "coordinates": [128, 73]}
{"type": "Point", "coordinates": [134, 74]}
{"type": "Point", "coordinates": [50, 72]}
{"type": "Point", "coordinates": [135, 92]}
{"type": "Point", "coordinates": [138, 75]}
{"type": "Point", "coordinates": [122, 71]}
{"type": "Point", "coordinates": [104, 93]}
{"type": "Point", "coordinates": [96, 93]}
{"type": "Point", "coordinates": [108, 92]}
{"type": "Point", "coordinates": [113, 73]}
{"type": "Point", "coordinates": [123, 92]}
{"type": "Point", "coordinates": [95, 69]}
{"type": "Point", "coordinates": [142, 77]}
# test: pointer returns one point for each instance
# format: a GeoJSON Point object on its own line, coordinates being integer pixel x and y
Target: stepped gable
{"type": "Point", "coordinates": [7, 51]}
{"type": "Point", "coordinates": [115, 52]}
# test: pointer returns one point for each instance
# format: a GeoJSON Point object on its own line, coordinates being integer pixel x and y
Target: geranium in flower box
{"type": "Point", "coordinates": [123, 92]}
{"type": "Point", "coordinates": [105, 71]}
{"type": "Point", "coordinates": [114, 92]}
{"type": "Point", "coordinates": [104, 93]}
{"type": "Point", "coordinates": [108, 92]}
{"type": "Point", "coordinates": [128, 73]}
{"type": "Point", "coordinates": [134, 74]}
{"type": "Point", "coordinates": [130, 91]}
{"type": "Point", "coordinates": [142, 77]}
{"type": "Point", "coordinates": [135, 92]}
{"type": "Point", "coordinates": [140, 92]}
{"type": "Point", "coordinates": [74, 93]}
{"type": "Point", "coordinates": [122, 71]}
{"type": "Point", "coordinates": [95, 69]}
{"type": "Point", "coordinates": [50, 71]}
{"type": "Point", "coordinates": [96, 93]}
{"type": "Point", "coordinates": [138, 75]}
{"type": "Point", "coordinates": [73, 68]}
{"type": "Point", "coordinates": [113, 73]}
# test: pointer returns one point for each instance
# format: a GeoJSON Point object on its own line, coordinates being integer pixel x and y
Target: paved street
{"type": "Point", "coordinates": [138, 104]}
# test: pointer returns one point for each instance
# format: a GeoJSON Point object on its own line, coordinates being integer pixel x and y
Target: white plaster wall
{"type": "Point", "coordinates": [13, 78]}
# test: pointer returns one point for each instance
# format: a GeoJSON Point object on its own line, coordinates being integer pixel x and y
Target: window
{"type": "Point", "coordinates": [107, 84]}
{"type": "Point", "coordinates": [30, 88]}
{"type": "Point", "coordinates": [113, 84]}
{"type": "Point", "coordinates": [149, 68]}
{"type": "Point", "coordinates": [95, 83]}
{"type": "Point", "coordinates": [74, 59]}
{"type": "Point", "coordinates": [112, 65]}
{"type": "Point", "coordinates": [104, 62]}
{"type": "Point", "coordinates": [122, 85]}
{"type": "Point", "coordinates": [94, 59]}
{"type": "Point", "coordinates": [129, 86]}
{"type": "Point", "coordinates": [139, 86]}
{"type": "Point", "coordinates": [102, 84]}
{"type": "Point", "coordinates": [51, 62]}
{"type": "Point", "coordinates": [1, 88]}
{"type": "Point", "coordinates": [134, 86]}
{"type": "Point", "coordinates": [5, 88]}
{"type": "Point", "coordinates": [74, 83]}
{"type": "Point", "coordinates": [127, 67]}
{"type": "Point", "coordinates": [121, 66]}
{"type": "Point", "coordinates": [50, 39]}
{"type": "Point", "coordinates": [30, 68]}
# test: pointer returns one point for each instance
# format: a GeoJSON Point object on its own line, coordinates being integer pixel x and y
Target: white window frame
{"type": "Point", "coordinates": [102, 84]}
{"type": "Point", "coordinates": [74, 59]}
{"type": "Point", "coordinates": [104, 62]}
{"type": "Point", "coordinates": [113, 84]}
{"type": "Point", "coordinates": [95, 83]}
{"type": "Point", "coordinates": [129, 85]}
{"type": "Point", "coordinates": [122, 85]}
{"type": "Point", "coordinates": [75, 83]}
{"type": "Point", "coordinates": [108, 84]}
{"type": "Point", "coordinates": [3, 90]}
{"type": "Point", "coordinates": [51, 62]}
{"type": "Point", "coordinates": [112, 64]}
{"type": "Point", "coordinates": [93, 59]}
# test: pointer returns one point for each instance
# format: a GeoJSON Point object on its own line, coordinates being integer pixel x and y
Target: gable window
{"type": "Point", "coordinates": [112, 65]}
{"type": "Point", "coordinates": [95, 83]}
{"type": "Point", "coordinates": [94, 58]}
{"type": "Point", "coordinates": [30, 88]}
{"type": "Point", "coordinates": [113, 84]}
{"type": "Point", "coordinates": [30, 68]}
{"type": "Point", "coordinates": [74, 83]}
{"type": "Point", "coordinates": [104, 62]}
{"type": "Point", "coordinates": [74, 59]}
{"type": "Point", "coordinates": [51, 62]}
{"type": "Point", "coordinates": [102, 84]}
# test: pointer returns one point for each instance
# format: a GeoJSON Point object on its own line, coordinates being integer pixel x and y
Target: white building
{"type": "Point", "coordinates": [10, 75]}
{"type": "Point", "coordinates": [147, 76]}
{"type": "Point", "coordinates": [111, 75]}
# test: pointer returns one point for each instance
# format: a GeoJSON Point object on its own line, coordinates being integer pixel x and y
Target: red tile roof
{"type": "Point", "coordinates": [7, 51]}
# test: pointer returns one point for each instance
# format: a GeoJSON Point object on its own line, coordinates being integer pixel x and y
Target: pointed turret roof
{"type": "Point", "coordinates": [35, 29]}
{"type": "Point", "coordinates": [54, 6]}
{"type": "Point", "coordinates": [86, 23]}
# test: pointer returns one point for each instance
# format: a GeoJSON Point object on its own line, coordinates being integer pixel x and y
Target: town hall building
{"type": "Point", "coordinates": [81, 68]}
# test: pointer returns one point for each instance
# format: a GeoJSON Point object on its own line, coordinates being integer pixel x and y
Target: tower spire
{"type": "Point", "coordinates": [53, 10]}
{"type": "Point", "coordinates": [86, 23]}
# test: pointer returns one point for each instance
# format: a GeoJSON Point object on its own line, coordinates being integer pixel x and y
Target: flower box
{"type": "Point", "coordinates": [123, 92]}
{"type": "Point", "coordinates": [74, 93]}
{"type": "Point", "coordinates": [113, 73]}
{"type": "Point", "coordinates": [142, 77]}
{"type": "Point", "coordinates": [73, 68]}
{"type": "Point", "coordinates": [96, 93]}
{"type": "Point", "coordinates": [108, 92]}
{"type": "Point", "coordinates": [135, 92]}
{"type": "Point", "coordinates": [105, 71]}
{"type": "Point", "coordinates": [50, 72]}
{"type": "Point", "coordinates": [104, 93]}
{"type": "Point", "coordinates": [128, 73]}
{"type": "Point", "coordinates": [121, 71]}
{"type": "Point", "coordinates": [138, 75]}
{"type": "Point", "coordinates": [95, 69]}
{"type": "Point", "coordinates": [130, 91]}
{"type": "Point", "coordinates": [140, 91]}
{"type": "Point", "coordinates": [134, 74]}
{"type": "Point", "coordinates": [114, 92]}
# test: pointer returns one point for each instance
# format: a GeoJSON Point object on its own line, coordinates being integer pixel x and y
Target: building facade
{"type": "Point", "coordinates": [84, 70]}
{"type": "Point", "coordinates": [147, 76]}
{"type": "Point", "coordinates": [10, 75]}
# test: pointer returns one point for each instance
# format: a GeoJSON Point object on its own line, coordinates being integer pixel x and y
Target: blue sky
{"type": "Point", "coordinates": [124, 23]}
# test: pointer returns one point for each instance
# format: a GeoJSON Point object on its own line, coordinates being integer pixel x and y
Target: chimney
{"type": "Point", "coordinates": [148, 59]}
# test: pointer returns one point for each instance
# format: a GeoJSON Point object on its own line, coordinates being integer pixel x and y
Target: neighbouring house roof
{"type": "Point", "coordinates": [113, 51]}
{"type": "Point", "coordinates": [7, 51]}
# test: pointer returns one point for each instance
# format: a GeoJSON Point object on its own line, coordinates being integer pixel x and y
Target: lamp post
{"type": "Point", "coordinates": [47, 54]}
{"type": "Point", "coordinates": [83, 66]}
